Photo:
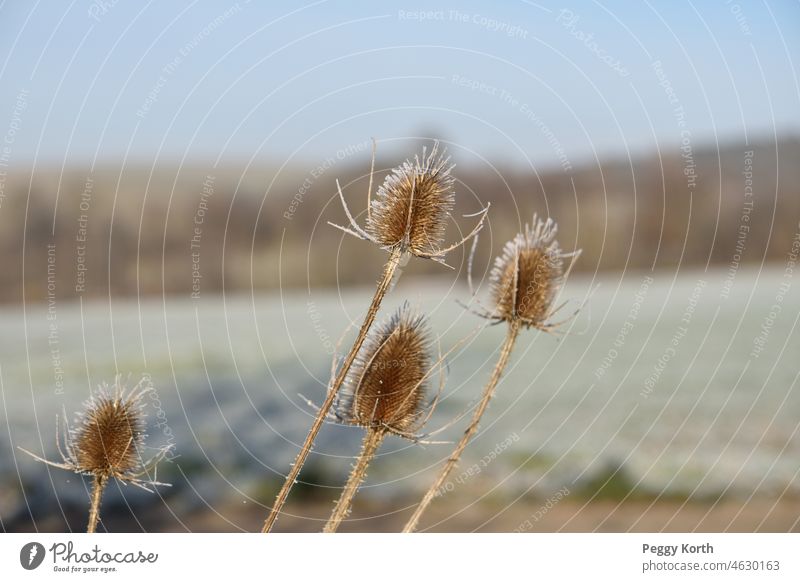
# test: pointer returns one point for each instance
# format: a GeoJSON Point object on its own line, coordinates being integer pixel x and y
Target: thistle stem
{"type": "Point", "coordinates": [372, 440]}
{"type": "Point", "coordinates": [452, 461]}
{"type": "Point", "coordinates": [383, 286]}
{"type": "Point", "coordinates": [98, 486]}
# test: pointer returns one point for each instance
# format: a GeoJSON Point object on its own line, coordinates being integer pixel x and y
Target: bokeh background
{"type": "Point", "coordinates": [167, 173]}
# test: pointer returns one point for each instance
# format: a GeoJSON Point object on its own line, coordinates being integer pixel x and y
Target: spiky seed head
{"type": "Point", "coordinates": [386, 384]}
{"type": "Point", "coordinates": [411, 207]}
{"type": "Point", "coordinates": [109, 437]}
{"type": "Point", "coordinates": [527, 275]}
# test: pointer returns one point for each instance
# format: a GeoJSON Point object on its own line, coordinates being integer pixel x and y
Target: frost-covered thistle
{"type": "Point", "coordinates": [107, 443]}
{"type": "Point", "coordinates": [525, 281]}
{"type": "Point", "coordinates": [411, 208]}
{"type": "Point", "coordinates": [527, 276]}
{"type": "Point", "coordinates": [384, 394]}
{"type": "Point", "coordinates": [384, 388]}
{"type": "Point", "coordinates": [408, 216]}
{"type": "Point", "coordinates": [413, 204]}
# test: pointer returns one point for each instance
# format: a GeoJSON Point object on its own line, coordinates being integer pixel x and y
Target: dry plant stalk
{"type": "Point", "coordinates": [383, 285]}
{"type": "Point", "coordinates": [525, 280]}
{"type": "Point", "coordinates": [107, 443]}
{"type": "Point", "coordinates": [384, 394]}
{"type": "Point", "coordinates": [408, 216]}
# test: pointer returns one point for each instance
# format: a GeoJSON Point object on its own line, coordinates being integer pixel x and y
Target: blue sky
{"type": "Point", "coordinates": [515, 82]}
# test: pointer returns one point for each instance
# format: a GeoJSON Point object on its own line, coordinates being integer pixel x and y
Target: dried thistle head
{"type": "Point", "coordinates": [385, 387]}
{"type": "Point", "coordinates": [413, 204]}
{"type": "Point", "coordinates": [109, 438]}
{"type": "Point", "coordinates": [527, 276]}
{"type": "Point", "coordinates": [111, 434]}
{"type": "Point", "coordinates": [411, 208]}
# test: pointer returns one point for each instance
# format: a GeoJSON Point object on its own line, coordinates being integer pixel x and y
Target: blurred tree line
{"type": "Point", "coordinates": [146, 232]}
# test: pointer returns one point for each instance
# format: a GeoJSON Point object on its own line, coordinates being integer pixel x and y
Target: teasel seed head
{"type": "Point", "coordinates": [109, 437]}
{"type": "Point", "coordinates": [528, 274]}
{"type": "Point", "coordinates": [410, 210]}
{"type": "Point", "coordinates": [385, 387]}
{"type": "Point", "coordinates": [111, 434]}
{"type": "Point", "coordinates": [411, 207]}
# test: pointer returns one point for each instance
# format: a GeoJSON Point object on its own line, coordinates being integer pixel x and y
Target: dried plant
{"type": "Point", "coordinates": [527, 276]}
{"type": "Point", "coordinates": [384, 394]}
{"type": "Point", "coordinates": [408, 216]}
{"type": "Point", "coordinates": [385, 387]}
{"type": "Point", "coordinates": [412, 207]}
{"type": "Point", "coordinates": [525, 281]}
{"type": "Point", "coordinates": [107, 443]}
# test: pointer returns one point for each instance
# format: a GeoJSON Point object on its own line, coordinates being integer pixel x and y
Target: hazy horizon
{"type": "Point", "coordinates": [514, 81]}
